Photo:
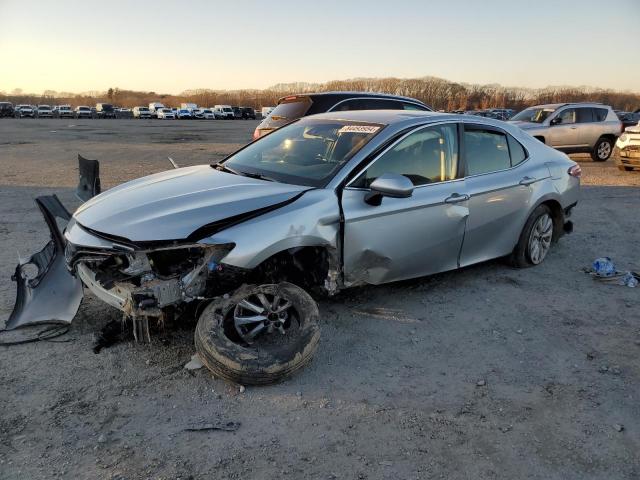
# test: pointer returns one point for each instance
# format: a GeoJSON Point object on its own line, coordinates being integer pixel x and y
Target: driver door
{"type": "Point", "coordinates": [407, 237]}
{"type": "Point", "coordinates": [564, 134]}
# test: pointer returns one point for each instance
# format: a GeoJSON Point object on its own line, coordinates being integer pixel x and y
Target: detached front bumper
{"type": "Point", "coordinates": [51, 294]}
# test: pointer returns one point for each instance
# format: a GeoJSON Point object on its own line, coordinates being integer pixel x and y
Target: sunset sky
{"type": "Point", "coordinates": [171, 46]}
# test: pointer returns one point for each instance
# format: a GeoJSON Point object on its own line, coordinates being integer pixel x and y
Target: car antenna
{"type": "Point", "coordinates": [175, 165]}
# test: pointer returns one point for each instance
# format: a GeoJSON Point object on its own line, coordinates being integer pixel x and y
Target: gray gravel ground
{"type": "Point", "coordinates": [483, 373]}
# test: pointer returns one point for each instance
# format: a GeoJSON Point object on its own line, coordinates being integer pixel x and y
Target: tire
{"type": "Point", "coordinates": [602, 150]}
{"type": "Point", "coordinates": [522, 256]}
{"type": "Point", "coordinates": [271, 356]}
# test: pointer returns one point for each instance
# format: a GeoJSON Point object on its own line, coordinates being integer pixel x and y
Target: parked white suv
{"type": "Point", "coordinates": [225, 111]}
{"type": "Point", "coordinates": [165, 114]}
{"type": "Point", "coordinates": [64, 111]}
{"type": "Point", "coordinates": [44, 111]}
{"type": "Point", "coordinates": [141, 112]}
{"type": "Point", "coordinates": [83, 112]}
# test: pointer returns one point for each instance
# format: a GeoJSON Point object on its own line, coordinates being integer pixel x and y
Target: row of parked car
{"type": "Point", "coordinates": [189, 111]}
{"type": "Point", "coordinates": [106, 110]}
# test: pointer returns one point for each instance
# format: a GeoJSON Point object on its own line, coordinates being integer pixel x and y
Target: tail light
{"type": "Point", "coordinates": [256, 134]}
{"type": "Point", "coordinates": [575, 171]}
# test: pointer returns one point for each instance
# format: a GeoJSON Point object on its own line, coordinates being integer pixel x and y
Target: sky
{"type": "Point", "coordinates": [171, 46]}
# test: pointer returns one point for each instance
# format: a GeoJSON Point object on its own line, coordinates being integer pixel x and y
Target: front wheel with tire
{"type": "Point", "coordinates": [260, 334]}
{"type": "Point", "coordinates": [602, 150]}
{"type": "Point", "coordinates": [535, 239]}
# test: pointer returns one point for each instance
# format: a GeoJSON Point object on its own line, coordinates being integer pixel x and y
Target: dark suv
{"type": "Point", "coordinates": [6, 109]}
{"type": "Point", "coordinates": [248, 113]}
{"type": "Point", "coordinates": [292, 107]}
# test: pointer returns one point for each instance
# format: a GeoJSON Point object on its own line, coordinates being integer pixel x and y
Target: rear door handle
{"type": "Point", "coordinates": [528, 181]}
{"type": "Point", "coordinates": [456, 197]}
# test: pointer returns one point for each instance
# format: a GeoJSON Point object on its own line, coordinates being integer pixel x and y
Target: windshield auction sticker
{"type": "Point", "coordinates": [359, 129]}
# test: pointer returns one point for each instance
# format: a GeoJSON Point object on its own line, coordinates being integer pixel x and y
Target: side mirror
{"type": "Point", "coordinates": [389, 185]}
{"type": "Point", "coordinates": [556, 121]}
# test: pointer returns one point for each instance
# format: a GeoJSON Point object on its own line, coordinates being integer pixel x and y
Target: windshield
{"type": "Point", "coordinates": [227, 109]}
{"type": "Point", "coordinates": [533, 114]}
{"type": "Point", "coordinates": [308, 152]}
{"type": "Point", "coordinates": [84, 108]}
{"type": "Point", "coordinates": [143, 109]}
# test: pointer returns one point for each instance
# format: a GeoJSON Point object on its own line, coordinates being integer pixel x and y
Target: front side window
{"type": "Point", "coordinates": [485, 151]}
{"type": "Point", "coordinates": [429, 155]}
{"type": "Point", "coordinates": [567, 116]}
{"type": "Point", "coordinates": [308, 152]}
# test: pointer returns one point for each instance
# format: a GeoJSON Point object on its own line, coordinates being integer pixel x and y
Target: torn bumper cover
{"type": "Point", "coordinates": [51, 294]}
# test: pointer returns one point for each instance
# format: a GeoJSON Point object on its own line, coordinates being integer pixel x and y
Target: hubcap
{"type": "Point", "coordinates": [540, 238]}
{"type": "Point", "coordinates": [604, 150]}
{"type": "Point", "coordinates": [260, 313]}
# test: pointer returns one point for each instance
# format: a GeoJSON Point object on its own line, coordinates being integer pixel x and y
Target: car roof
{"type": "Point", "coordinates": [399, 119]}
{"type": "Point", "coordinates": [344, 95]}
{"type": "Point", "coordinates": [386, 117]}
{"type": "Point", "coordinates": [582, 104]}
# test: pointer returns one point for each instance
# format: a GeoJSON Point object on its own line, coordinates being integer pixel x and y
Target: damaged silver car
{"type": "Point", "coordinates": [328, 202]}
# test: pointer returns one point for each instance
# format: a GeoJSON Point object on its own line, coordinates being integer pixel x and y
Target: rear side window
{"type": "Point", "coordinates": [584, 115]}
{"type": "Point", "coordinates": [413, 106]}
{"type": "Point", "coordinates": [599, 114]}
{"type": "Point", "coordinates": [485, 151]}
{"type": "Point", "coordinates": [288, 111]}
{"type": "Point", "coordinates": [517, 152]}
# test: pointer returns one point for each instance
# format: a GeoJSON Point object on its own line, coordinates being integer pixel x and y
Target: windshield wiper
{"type": "Point", "coordinates": [257, 175]}
{"type": "Point", "coordinates": [223, 168]}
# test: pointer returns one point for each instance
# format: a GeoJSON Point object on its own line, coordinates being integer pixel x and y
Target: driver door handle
{"type": "Point", "coordinates": [456, 197]}
{"type": "Point", "coordinates": [528, 181]}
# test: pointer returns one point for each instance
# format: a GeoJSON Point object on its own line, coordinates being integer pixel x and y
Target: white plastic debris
{"type": "Point", "coordinates": [195, 363]}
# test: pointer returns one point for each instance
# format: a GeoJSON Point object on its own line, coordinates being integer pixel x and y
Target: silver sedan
{"type": "Point", "coordinates": [324, 203]}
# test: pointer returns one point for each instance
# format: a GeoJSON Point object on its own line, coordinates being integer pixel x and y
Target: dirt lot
{"type": "Point", "coordinates": [488, 372]}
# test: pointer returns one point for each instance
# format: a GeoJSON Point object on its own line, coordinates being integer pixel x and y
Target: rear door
{"type": "Point", "coordinates": [588, 128]}
{"type": "Point", "coordinates": [500, 182]}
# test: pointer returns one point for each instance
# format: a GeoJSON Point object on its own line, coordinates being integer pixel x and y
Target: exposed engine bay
{"type": "Point", "coordinates": [149, 283]}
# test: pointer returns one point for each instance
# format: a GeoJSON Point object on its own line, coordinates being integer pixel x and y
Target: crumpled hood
{"type": "Point", "coordinates": [526, 125]}
{"type": "Point", "coordinates": [171, 205]}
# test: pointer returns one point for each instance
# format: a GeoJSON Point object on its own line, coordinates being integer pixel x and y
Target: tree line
{"type": "Point", "coordinates": [439, 93]}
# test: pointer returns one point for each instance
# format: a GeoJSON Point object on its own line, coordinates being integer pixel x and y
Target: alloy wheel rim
{"type": "Point", "coordinates": [259, 314]}
{"type": "Point", "coordinates": [604, 150]}
{"type": "Point", "coordinates": [540, 238]}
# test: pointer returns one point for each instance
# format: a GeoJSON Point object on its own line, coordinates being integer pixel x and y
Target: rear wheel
{"type": "Point", "coordinates": [260, 334]}
{"type": "Point", "coordinates": [535, 239]}
{"type": "Point", "coordinates": [602, 150]}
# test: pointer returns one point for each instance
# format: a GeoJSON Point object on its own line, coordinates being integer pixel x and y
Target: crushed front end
{"type": "Point", "coordinates": [147, 281]}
